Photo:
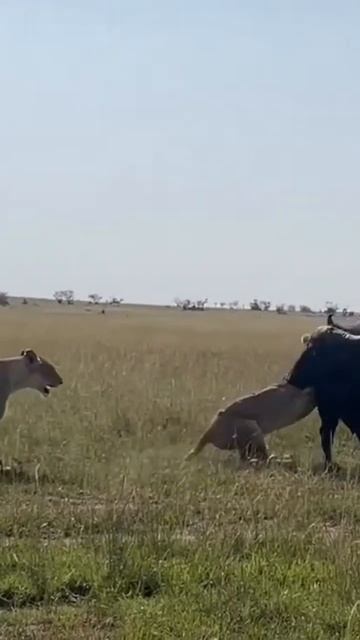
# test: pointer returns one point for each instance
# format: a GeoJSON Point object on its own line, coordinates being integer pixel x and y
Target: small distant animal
{"type": "Point", "coordinates": [330, 364]}
{"type": "Point", "coordinates": [27, 371]}
{"type": "Point", "coordinates": [244, 423]}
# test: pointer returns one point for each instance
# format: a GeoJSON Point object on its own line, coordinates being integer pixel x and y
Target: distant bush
{"type": "Point", "coordinates": [280, 309]}
{"type": "Point", "coordinates": [4, 299]}
{"type": "Point", "coordinates": [260, 305]}
{"type": "Point", "coordinates": [65, 296]}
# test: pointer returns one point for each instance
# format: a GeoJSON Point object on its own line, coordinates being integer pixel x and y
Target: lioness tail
{"type": "Point", "coordinates": [200, 445]}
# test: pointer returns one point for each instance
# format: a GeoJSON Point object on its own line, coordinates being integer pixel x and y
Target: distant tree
{"type": "Point", "coordinates": [200, 304]}
{"type": "Point", "coordinates": [4, 299]}
{"type": "Point", "coordinates": [25, 301]}
{"type": "Point", "coordinates": [95, 298]}
{"type": "Point", "coordinates": [116, 301]}
{"type": "Point", "coordinates": [265, 305]}
{"type": "Point", "coordinates": [280, 309]}
{"type": "Point", "coordinates": [346, 313]}
{"type": "Point", "coordinates": [64, 296]}
{"type": "Point", "coordinates": [291, 308]}
{"type": "Point", "coordinates": [255, 305]}
{"type": "Point", "coordinates": [330, 307]}
{"type": "Point", "coordinates": [58, 295]}
{"type": "Point", "coordinates": [234, 304]}
{"type": "Point", "coordinates": [69, 296]}
{"type": "Point", "coordinates": [222, 305]}
{"type": "Point", "coordinates": [304, 308]}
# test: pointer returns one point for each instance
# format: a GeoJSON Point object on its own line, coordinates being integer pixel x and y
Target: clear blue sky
{"type": "Point", "coordinates": [166, 148]}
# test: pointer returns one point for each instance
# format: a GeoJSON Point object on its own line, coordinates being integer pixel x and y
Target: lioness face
{"type": "Point", "coordinates": [42, 375]}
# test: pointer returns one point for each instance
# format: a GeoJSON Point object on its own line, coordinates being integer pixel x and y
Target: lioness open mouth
{"type": "Point", "coordinates": [46, 390]}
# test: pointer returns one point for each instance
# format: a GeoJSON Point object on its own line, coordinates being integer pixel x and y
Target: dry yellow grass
{"type": "Point", "coordinates": [113, 536]}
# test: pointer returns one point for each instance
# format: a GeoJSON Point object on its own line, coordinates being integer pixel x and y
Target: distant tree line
{"type": "Point", "coordinates": [189, 305]}
{"type": "Point", "coordinates": [67, 297]}
{"type": "Point", "coordinates": [260, 305]}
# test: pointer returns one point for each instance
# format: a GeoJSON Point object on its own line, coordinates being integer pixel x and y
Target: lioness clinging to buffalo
{"type": "Point", "coordinates": [243, 424]}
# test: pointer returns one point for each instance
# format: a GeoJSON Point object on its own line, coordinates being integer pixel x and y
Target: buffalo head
{"type": "Point", "coordinates": [330, 356]}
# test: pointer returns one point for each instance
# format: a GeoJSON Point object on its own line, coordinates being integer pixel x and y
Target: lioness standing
{"type": "Point", "coordinates": [243, 424]}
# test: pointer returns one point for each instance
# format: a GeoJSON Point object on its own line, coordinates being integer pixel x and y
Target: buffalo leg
{"type": "Point", "coordinates": [327, 432]}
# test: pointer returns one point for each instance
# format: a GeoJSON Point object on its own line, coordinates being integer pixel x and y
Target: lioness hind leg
{"type": "Point", "coordinates": [250, 441]}
{"type": "Point", "coordinates": [258, 450]}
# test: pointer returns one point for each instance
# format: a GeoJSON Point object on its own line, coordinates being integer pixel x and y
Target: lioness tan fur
{"type": "Point", "coordinates": [27, 371]}
{"type": "Point", "coordinates": [307, 338]}
{"type": "Point", "coordinates": [243, 424]}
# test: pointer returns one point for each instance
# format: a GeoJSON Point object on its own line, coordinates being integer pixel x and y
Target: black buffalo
{"type": "Point", "coordinates": [330, 364]}
{"type": "Point", "coordinates": [354, 330]}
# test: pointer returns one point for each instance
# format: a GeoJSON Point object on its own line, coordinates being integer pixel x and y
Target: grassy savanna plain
{"type": "Point", "coordinates": [109, 534]}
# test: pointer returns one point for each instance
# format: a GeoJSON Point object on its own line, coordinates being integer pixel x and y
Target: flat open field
{"type": "Point", "coordinates": [114, 536]}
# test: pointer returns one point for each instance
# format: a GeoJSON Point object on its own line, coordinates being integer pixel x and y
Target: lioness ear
{"type": "Point", "coordinates": [30, 355]}
{"type": "Point", "coordinates": [305, 339]}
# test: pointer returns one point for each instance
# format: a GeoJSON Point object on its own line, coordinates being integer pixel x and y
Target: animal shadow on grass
{"type": "Point", "coordinates": [15, 473]}
{"type": "Point", "coordinates": [274, 463]}
{"type": "Point", "coordinates": [342, 474]}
